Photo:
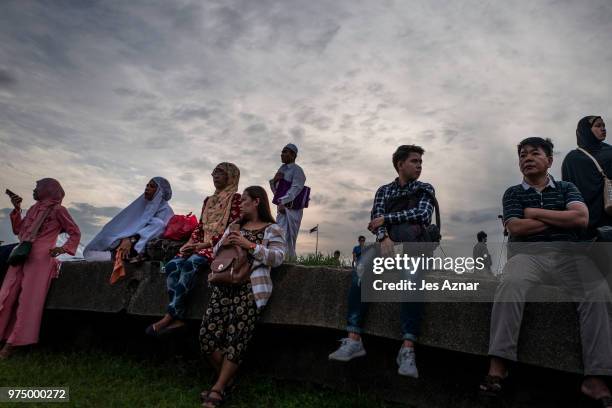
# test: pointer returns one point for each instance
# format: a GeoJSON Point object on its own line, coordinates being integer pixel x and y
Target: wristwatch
{"type": "Point", "coordinates": [381, 235]}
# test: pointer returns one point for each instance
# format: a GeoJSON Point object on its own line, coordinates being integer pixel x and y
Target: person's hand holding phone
{"type": "Point", "coordinates": [15, 199]}
{"type": "Point", "coordinates": [187, 248]}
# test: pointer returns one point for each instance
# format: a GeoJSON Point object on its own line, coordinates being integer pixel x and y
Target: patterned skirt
{"type": "Point", "coordinates": [229, 321]}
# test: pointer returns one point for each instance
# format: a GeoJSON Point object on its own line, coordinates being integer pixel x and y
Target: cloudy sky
{"type": "Point", "coordinates": [103, 95]}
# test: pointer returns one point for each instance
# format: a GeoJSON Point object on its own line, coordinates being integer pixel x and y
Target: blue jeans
{"type": "Point", "coordinates": [180, 274]}
{"type": "Point", "coordinates": [411, 313]}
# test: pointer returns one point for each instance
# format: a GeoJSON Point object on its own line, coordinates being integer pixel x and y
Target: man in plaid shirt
{"type": "Point", "coordinates": [407, 161]}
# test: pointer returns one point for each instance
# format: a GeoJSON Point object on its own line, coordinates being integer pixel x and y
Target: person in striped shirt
{"type": "Point", "coordinates": [234, 308]}
{"type": "Point", "coordinates": [539, 211]}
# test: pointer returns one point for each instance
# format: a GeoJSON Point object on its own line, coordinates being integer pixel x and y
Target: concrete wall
{"type": "Point", "coordinates": [316, 297]}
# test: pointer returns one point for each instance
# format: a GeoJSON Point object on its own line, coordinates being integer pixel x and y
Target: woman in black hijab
{"type": "Point", "coordinates": [579, 169]}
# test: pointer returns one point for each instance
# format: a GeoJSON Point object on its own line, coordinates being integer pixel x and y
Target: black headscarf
{"type": "Point", "coordinates": [579, 169]}
{"type": "Point", "coordinates": [585, 137]}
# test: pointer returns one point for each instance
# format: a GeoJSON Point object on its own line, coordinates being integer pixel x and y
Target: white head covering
{"type": "Point", "coordinates": [143, 217]}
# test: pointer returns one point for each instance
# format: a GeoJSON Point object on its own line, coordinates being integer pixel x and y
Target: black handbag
{"type": "Point", "coordinates": [412, 232]}
{"type": "Point", "coordinates": [20, 253]}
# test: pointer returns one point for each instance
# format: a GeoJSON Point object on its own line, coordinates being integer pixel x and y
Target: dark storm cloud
{"type": "Point", "coordinates": [7, 79]}
{"type": "Point", "coordinates": [308, 115]}
{"type": "Point", "coordinates": [108, 92]}
{"type": "Point", "coordinates": [192, 112]}
{"type": "Point", "coordinates": [256, 128]}
{"type": "Point", "coordinates": [475, 216]}
{"type": "Point", "coordinates": [357, 216]}
{"type": "Point", "coordinates": [91, 219]}
{"type": "Point", "coordinates": [133, 93]}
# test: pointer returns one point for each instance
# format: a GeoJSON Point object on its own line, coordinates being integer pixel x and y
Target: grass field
{"type": "Point", "coordinates": [321, 260]}
{"type": "Point", "coordinates": [102, 379]}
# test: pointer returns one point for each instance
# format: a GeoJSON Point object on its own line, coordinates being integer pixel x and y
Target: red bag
{"type": "Point", "coordinates": [180, 227]}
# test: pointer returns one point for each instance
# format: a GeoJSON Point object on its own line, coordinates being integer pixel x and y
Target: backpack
{"type": "Point", "coordinates": [413, 232]}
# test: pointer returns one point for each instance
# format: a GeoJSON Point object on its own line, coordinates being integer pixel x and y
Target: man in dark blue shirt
{"type": "Point", "coordinates": [358, 250]}
{"type": "Point", "coordinates": [540, 211]}
{"type": "Point", "coordinates": [407, 161]}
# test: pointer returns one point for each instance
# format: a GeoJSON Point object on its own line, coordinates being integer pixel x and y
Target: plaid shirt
{"type": "Point", "coordinates": [421, 214]}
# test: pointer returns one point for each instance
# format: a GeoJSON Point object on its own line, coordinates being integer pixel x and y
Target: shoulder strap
{"type": "Point", "coordinates": [595, 162]}
{"type": "Point", "coordinates": [405, 199]}
{"type": "Point", "coordinates": [436, 207]}
{"type": "Point", "coordinates": [39, 223]}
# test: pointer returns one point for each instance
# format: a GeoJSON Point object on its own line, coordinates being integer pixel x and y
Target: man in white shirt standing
{"type": "Point", "coordinates": [290, 196]}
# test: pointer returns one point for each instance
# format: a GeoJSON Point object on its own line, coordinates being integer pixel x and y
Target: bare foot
{"type": "Point", "coordinates": [596, 388]}
{"type": "Point", "coordinates": [165, 321]}
{"type": "Point", "coordinates": [497, 368]}
{"type": "Point", "coordinates": [175, 324]}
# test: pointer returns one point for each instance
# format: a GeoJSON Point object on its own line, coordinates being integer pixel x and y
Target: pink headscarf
{"type": "Point", "coordinates": [50, 194]}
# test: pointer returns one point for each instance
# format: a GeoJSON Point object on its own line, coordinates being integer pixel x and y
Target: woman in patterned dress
{"type": "Point", "coordinates": [233, 310]}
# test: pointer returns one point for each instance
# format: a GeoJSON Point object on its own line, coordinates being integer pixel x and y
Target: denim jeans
{"type": "Point", "coordinates": [410, 312]}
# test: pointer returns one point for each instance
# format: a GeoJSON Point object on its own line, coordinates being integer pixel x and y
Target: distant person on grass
{"type": "Point", "coordinates": [481, 251]}
{"type": "Point", "coordinates": [234, 308]}
{"type": "Point", "coordinates": [407, 161]}
{"type": "Point", "coordinates": [336, 258]}
{"type": "Point", "coordinates": [25, 286]}
{"type": "Point", "coordinates": [358, 250]}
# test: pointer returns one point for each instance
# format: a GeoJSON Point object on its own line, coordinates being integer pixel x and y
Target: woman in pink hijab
{"type": "Point", "coordinates": [25, 286]}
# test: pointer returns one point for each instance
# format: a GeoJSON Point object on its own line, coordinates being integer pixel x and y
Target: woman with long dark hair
{"type": "Point", "coordinates": [234, 308]}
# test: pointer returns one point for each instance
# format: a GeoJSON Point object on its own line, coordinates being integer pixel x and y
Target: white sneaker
{"type": "Point", "coordinates": [406, 360]}
{"type": "Point", "coordinates": [348, 350]}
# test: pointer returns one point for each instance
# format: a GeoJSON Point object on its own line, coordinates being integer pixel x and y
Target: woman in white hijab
{"type": "Point", "coordinates": [137, 224]}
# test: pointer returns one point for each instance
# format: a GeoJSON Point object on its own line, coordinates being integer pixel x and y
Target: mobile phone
{"type": "Point", "coordinates": [10, 193]}
{"type": "Point", "coordinates": [234, 227]}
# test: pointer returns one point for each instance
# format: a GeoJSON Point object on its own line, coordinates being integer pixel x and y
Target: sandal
{"type": "Point", "coordinates": [229, 388]}
{"type": "Point", "coordinates": [212, 402]}
{"type": "Point", "coordinates": [491, 386]}
{"type": "Point", "coordinates": [138, 259]}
